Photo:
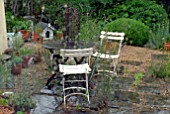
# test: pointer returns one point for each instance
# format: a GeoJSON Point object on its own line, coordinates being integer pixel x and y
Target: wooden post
{"type": "Point", "coordinates": [3, 34]}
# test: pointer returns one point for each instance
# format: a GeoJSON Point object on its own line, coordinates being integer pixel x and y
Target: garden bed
{"type": "Point", "coordinates": [129, 97]}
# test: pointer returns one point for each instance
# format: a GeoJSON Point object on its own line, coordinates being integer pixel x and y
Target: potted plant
{"type": "Point", "coordinates": [37, 33]}
{"type": "Point", "coordinates": [5, 107]}
{"type": "Point", "coordinates": [25, 54]}
{"type": "Point", "coordinates": [22, 101]}
{"type": "Point", "coordinates": [16, 65]}
{"type": "Point", "coordinates": [167, 43]}
{"type": "Point", "coordinates": [59, 34]}
{"type": "Point", "coordinates": [16, 59]}
{"type": "Point", "coordinates": [17, 42]}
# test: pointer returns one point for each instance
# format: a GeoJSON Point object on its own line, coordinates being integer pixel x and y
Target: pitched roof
{"type": "Point", "coordinates": [44, 25]}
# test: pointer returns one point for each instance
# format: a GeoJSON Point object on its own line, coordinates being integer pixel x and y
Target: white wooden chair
{"type": "Point", "coordinates": [110, 48]}
{"type": "Point", "coordinates": [74, 70]}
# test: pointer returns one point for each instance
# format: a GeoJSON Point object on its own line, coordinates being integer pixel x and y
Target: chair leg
{"type": "Point", "coordinates": [64, 101]}
{"type": "Point", "coordinates": [64, 91]}
{"type": "Point", "coordinates": [115, 65]}
{"type": "Point", "coordinates": [114, 70]}
{"type": "Point", "coordinates": [87, 90]}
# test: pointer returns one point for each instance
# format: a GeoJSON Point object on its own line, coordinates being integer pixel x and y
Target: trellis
{"type": "Point", "coordinates": [71, 25]}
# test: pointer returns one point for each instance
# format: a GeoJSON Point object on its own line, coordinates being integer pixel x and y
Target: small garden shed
{"type": "Point", "coordinates": [45, 30]}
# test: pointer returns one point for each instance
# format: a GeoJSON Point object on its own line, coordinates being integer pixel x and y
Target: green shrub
{"type": "Point", "coordinates": [138, 78]}
{"type": "Point", "coordinates": [136, 33]}
{"type": "Point", "coordinates": [146, 11]}
{"type": "Point", "coordinates": [14, 23]}
{"type": "Point", "coordinates": [160, 69]}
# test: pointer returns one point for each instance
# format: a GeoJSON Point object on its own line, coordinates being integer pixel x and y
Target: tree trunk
{"type": "Point", "coordinates": [3, 35]}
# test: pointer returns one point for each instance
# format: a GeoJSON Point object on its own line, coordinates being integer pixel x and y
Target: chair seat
{"type": "Point", "coordinates": [105, 56]}
{"type": "Point", "coordinates": [74, 69]}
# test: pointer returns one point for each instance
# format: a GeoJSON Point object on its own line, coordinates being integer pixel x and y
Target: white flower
{"type": "Point", "coordinates": [65, 5]}
{"type": "Point", "coordinates": [24, 4]}
{"type": "Point", "coordinates": [43, 7]}
{"type": "Point", "coordinates": [12, 17]}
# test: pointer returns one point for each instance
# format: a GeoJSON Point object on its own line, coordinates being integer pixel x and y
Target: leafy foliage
{"type": "Point", "coordinates": [136, 32]}
{"type": "Point", "coordinates": [165, 3]}
{"type": "Point", "coordinates": [16, 60]}
{"type": "Point", "coordinates": [25, 51]}
{"type": "Point", "coordinates": [23, 101]}
{"type": "Point", "coordinates": [146, 11]}
{"type": "Point", "coordinates": [160, 69]}
{"type": "Point", "coordinates": [138, 77]}
{"type": "Point", "coordinates": [53, 12]}
{"type": "Point", "coordinates": [13, 23]}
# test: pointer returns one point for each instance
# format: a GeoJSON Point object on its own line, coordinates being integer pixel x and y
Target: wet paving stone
{"type": "Point", "coordinates": [114, 111]}
{"type": "Point", "coordinates": [163, 112]}
{"type": "Point", "coordinates": [126, 96]}
{"type": "Point", "coordinates": [149, 89]}
{"type": "Point", "coordinates": [75, 111]}
{"type": "Point", "coordinates": [45, 104]}
{"type": "Point", "coordinates": [122, 83]}
{"type": "Point", "coordinates": [156, 100]}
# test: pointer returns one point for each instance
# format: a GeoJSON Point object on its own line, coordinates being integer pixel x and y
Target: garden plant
{"type": "Point", "coordinates": [144, 61]}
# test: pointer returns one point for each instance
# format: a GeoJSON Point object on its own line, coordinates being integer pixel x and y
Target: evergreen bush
{"type": "Point", "coordinates": [136, 33]}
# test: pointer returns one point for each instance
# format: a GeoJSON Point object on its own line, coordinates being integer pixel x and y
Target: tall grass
{"type": "Point", "coordinates": [159, 34]}
{"type": "Point", "coordinates": [90, 29]}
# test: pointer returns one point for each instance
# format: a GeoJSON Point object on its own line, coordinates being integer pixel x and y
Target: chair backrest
{"type": "Point", "coordinates": [111, 37]}
{"type": "Point", "coordinates": [75, 53]}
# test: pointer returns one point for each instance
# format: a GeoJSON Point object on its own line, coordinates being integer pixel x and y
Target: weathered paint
{"type": "Point", "coordinates": [3, 34]}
